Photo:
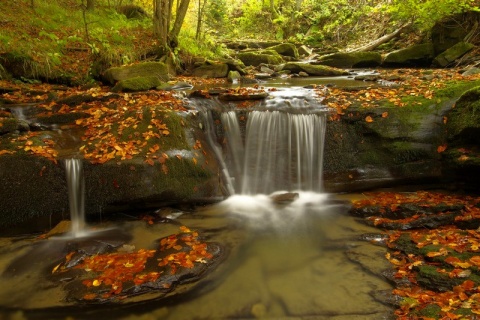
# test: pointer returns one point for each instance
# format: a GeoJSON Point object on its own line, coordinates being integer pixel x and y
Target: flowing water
{"type": "Point", "coordinates": [76, 193]}
{"type": "Point", "coordinates": [293, 252]}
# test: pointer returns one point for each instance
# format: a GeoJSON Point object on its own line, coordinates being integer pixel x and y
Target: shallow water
{"type": "Point", "coordinates": [284, 262]}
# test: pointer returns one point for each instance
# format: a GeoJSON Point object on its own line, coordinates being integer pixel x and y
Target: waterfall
{"type": "Point", "coordinates": [76, 191]}
{"type": "Point", "coordinates": [279, 149]}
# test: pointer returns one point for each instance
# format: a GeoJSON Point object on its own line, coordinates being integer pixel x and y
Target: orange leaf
{"type": "Point", "coordinates": [442, 148]}
{"type": "Point", "coordinates": [385, 114]}
{"type": "Point", "coordinates": [369, 119]}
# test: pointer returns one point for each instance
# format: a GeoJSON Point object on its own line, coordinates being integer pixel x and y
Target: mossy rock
{"type": "Point", "coordinates": [429, 277]}
{"type": "Point", "coordinates": [450, 55]}
{"type": "Point", "coordinates": [146, 69]}
{"type": "Point", "coordinates": [420, 55]}
{"type": "Point", "coordinates": [286, 49]}
{"type": "Point", "coordinates": [313, 70]}
{"type": "Point", "coordinates": [255, 58]}
{"type": "Point", "coordinates": [464, 120]}
{"type": "Point", "coordinates": [211, 70]}
{"type": "Point", "coordinates": [137, 84]}
{"type": "Point", "coordinates": [12, 124]}
{"type": "Point", "coordinates": [352, 60]}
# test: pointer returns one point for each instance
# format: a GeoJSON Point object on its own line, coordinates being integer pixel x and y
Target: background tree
{"type": "Point", "coordinates": [162, 16]}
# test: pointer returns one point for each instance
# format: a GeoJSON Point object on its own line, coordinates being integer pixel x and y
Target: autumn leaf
{"type": "Point", "coordinates": [442, 148]}
{"type": "Point", "coordinates": [385, 114]}
{"type": "Point", "coordinates": [369, 119]}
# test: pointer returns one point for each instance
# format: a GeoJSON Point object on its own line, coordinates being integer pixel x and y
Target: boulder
{"type": "Point", "coordinates": [450, 55]}
{"type": "Point", "coordinates": [254, 58]}
{"type": "Point", "coordinates": [145, 69]}
{"type": "Point", "coordinates": [352, 60]}
{"type": "Point", "coordinates": [234, 76]}
{"type": "Point", "coordinates": [211, 70]}
{"type": "Point", "coordinates": [452, 30]}
{"type": "Point", "coordinates": [313, 70]}
{"type": "Point", "coordinates": [462, 157]}
{"type": "Point", "coordinates": [420, 55]}
{"type": "Point", "coordinates": [286, 49]}
{"type": "Point", "coordinates": [137, 84]}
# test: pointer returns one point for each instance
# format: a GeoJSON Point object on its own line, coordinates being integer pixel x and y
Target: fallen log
{"type": "Point", "coordinates": [372, 45]}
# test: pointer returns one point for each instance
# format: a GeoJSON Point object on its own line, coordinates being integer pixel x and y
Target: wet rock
{"type": "Point", "coordinates": [242, 96]}
{"type": "Point", "coordinates": [284, 198]}
{"type": "Point", "coordinates": [312, 69]}
{"type": "Point", "coordinates": [184, 261]}
{"type": "Point", "coordinates": [371, 258]}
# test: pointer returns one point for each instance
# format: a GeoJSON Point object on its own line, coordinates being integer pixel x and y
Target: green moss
{"type": "Point", "coordinates": [430, 311]}
{"type": "Point", "coordinates": [465, 117]}
{"type": "Point", "coordinates": [176, 139]}
{"type": "Point", "coordinates": [137, 84]}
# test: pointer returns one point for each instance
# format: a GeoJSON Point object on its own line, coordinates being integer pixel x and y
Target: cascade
{"type": "Point", "coordinates": [281, 147]}
{"type": "Point", "coordinates": [76, 191]}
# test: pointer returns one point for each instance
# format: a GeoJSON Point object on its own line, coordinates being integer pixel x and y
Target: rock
{"type": "Point", "coordinates": [452, 54]}
{"type": "Point", "coordinates": [211, 70]}
{"type": "Point", "coordinates": [352, 60]}
{"type": "Point", "coordinates": [265, 69]}
{"type": "Point", "coordinates": [261, 76]}
{"type": "Point", "coordinates": [452, 30]}
{"type": "Point", "coordinates": [420, 55]}
{"type": "Point", "coordinates": [462, 156]}
{"type": "Point", "coordinates": [145, 69]}
{"type": "Point", "coordinates": [253, 58]}
{"type": "Point", "coordinates": [471, 71]}
{"type": "Point", "coordinates": [304, 51]}
{"type": "Point", "coordinates": [313, 70]}
{"type": "Point", "coordinates": [13, 124]}
{"type": "Point", "coordinates": [286, 49]}
{"type": "Point", "coordinates": [234, 76]}
{"type": "Point", "coordinates": [369, 257]}
{"type": "Point", "coordinates": [137, 84]}
{"type": "Point", "coordinates": [242, 96]}
{"type": "Point", "coordinates": [236, 65]}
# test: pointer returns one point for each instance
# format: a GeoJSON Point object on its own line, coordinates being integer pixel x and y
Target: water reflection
{"type": "Point", "coordinates": [287, 259]}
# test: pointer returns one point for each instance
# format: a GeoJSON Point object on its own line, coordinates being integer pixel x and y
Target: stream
{"type": "Point", "coordinates": [293, 254]}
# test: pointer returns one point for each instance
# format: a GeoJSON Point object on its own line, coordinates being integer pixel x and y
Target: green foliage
{"type": "Point", "coordinates": [425, 13]}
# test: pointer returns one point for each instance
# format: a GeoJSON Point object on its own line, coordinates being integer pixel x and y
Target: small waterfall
{"type": "Point", "coordinates": [283, 151]}
{"type": "Point", "coordinates": [76, 191]}
{"type": "Point", "coordinates": [279, 148]}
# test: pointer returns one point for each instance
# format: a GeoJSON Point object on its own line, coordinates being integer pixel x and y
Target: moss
{"type": "Point", "coordinates": [8, 124]}
{"type": "Point", "coordinates": [313, 70]}
{"type": "Point", "coordinates": [430, 311]}
{"type": "Point", "coordinates": [176, 139]}
{"type": "Point", "coordinates": [352, 60]}
{"type": "Point", "coordinates": [137, 84]}
{"type": "Point", "coordinates": [286, 49]}
{"type": "Point", "coordinates": [61, 118]}
{"type": "Point", "coordinates": [255, 58]}
{"type": "Point", "coordinates": [465, 117]}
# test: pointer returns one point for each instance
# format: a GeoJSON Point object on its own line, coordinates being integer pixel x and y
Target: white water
{"type": "Point", "coordinates": [282, 148]}
{"type": "Point", "coordinates": [76, 191]}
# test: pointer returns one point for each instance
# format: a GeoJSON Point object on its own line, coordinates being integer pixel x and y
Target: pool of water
{"type": "Point", "coordinates": [293, 260]}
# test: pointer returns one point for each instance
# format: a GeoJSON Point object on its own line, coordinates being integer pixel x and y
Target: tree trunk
{"type": "Point", "coordinates": [180, 16]}
{"type": "Point", "coordinates": [161, 16]}
{"type": "Point", "coordinates": [90, 5]}
{"type": "Point", "coordinates": [372, 45]}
